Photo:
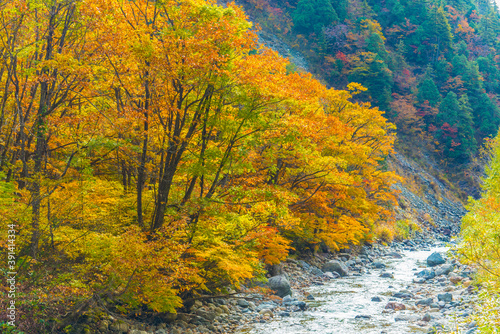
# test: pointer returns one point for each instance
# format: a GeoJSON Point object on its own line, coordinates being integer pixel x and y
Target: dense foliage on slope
{"type": "Point", "coordinates": [151, 151]}
{"type": "Point", "coordinates": [433, 66]}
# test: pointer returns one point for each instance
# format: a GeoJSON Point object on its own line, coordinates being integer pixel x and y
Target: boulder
{"type": "Point", "coordinates": [435, 259]}
{"type": "Point", "coordinates": [280, 284]}
{"type": "Point", "coordinates": [378, 265]}
{"type": "Point", "coordinates": [335, 266]}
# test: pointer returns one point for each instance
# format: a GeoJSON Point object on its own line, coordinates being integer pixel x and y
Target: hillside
{"type": "Point", "coordinates": [432, 67]}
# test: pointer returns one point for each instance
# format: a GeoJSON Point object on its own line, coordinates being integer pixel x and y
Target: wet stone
{"type": "Point", "coordinates": [425, 302]}
{"type": "Point", "coordinates": [363, 316]}
{"type": "Point", "coordinates": [445, 297]}
{"type": "Point", "coordinates": [435, 259]}
{"type": "Point", "coordinates": [426, 274]}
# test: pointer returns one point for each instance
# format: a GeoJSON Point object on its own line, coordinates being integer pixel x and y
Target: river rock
{"type": "Point", "coordinates": [205, 315]}
{"type": "Point", "coordinates": [104, 325]}
{"type": "Point", "coordinates": [425, 302]}
{"type": "Point", "coordinates": [331, 275]}
{"type": "Point", "coordinates": [395, 255]}
{"type": "Point", "coordinates": [267, 312]}
{"type": "Point", "coordinates": [426, 274]}
{"type": "Point", "coordinates": [363, 316]}
{"type": "Point", "coordinates": [386, 275]}
{"type": "Point", "coordinates": [402, 294]}
{"type": "Point", "coordinates": [344, 256]}
{"type": "Point", "coordinates": [435, 259]}
{"type": "Point", "coordinates": [280, 284]}
{"type": "Point", "coordinates": [395, 306]}
{"type": "Point", "coordinates": [302, 305]}
{"type": "Point", "coordinates": [376, 299]}
{"type": "Point", "coordinates": [119, 327]}
{"type": "Point", "coordinates": [445, 297]}
{"type": "Point", "coordinates": [269, 305]}
{"type": "Point", "coordinates": [444, 269]}
{"type": "Point", "coordinates": [316, 271]}
{"type": "Point", "coordinates": [404, 317]}
{"type": "Point", "coordinates": [427, 317]}
{"type": "Point", "coordinates": [304, 265]}
{"type": "Point", "coordinates": [243, 303]}
{"type": "Point", "coordinates": [454, 278]}
{"type": "Point", "coordinates": [335, 266]}
{"type": "Point", "coordinates": [378, 265]}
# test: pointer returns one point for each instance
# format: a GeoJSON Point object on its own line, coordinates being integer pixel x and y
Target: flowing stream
{"type": "Point", "coordinates": [339, 301]}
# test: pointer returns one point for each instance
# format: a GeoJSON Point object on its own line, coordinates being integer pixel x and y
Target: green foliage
{"type": "Point", "coordinates": [406, 229]}
{"type": "Point", "coordinates": [428, 91]}
{"type": "Point", "coordinates": [9, 329]}
{"type": "Point", "coordinates": [480, 245]}
{"type": "Point", "coordinates": [312, 15]}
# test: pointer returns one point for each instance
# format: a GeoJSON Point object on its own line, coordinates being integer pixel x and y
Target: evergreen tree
{"type": "Point", "coordinates": [438, 31]}
{"type": "Point", "coordinates": [312, 15]}
{"type": "Point", "coordinates": [340, 7]}
{"type": "Point", "coordinates": [466, 128]}
{"type": "Point", "coordinates": [375, 44]}
{"type": "Point", "coordinates": [427, 91]}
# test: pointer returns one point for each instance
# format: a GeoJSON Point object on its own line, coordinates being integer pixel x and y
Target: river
{"type": "Point", "coordinates": [339, 301]}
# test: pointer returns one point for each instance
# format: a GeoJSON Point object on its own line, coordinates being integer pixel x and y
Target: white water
{"type": "Point", "coordinates": [339, 301]}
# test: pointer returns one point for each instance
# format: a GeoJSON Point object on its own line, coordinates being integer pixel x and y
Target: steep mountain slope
{"type": "Point", "coordinates": [431, 66]}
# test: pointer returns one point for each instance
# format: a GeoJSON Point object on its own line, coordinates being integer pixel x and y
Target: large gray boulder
{"type": "Point", "coordinates": [435, 259]}
{"type": "Point", "coordinates": [280, 284]}
{"type": "Point", "coordinates": [335, 266]}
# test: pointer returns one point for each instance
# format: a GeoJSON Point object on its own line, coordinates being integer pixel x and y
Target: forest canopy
{"type": "Point", "coordinates": [153, 151]}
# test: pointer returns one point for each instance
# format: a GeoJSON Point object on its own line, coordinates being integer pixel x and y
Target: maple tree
{"type": "Point", "coordinates": [152, 152]}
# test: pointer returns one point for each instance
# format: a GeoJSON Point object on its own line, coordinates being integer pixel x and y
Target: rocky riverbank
{"type": "Point", "coordinates": [439, 295]}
